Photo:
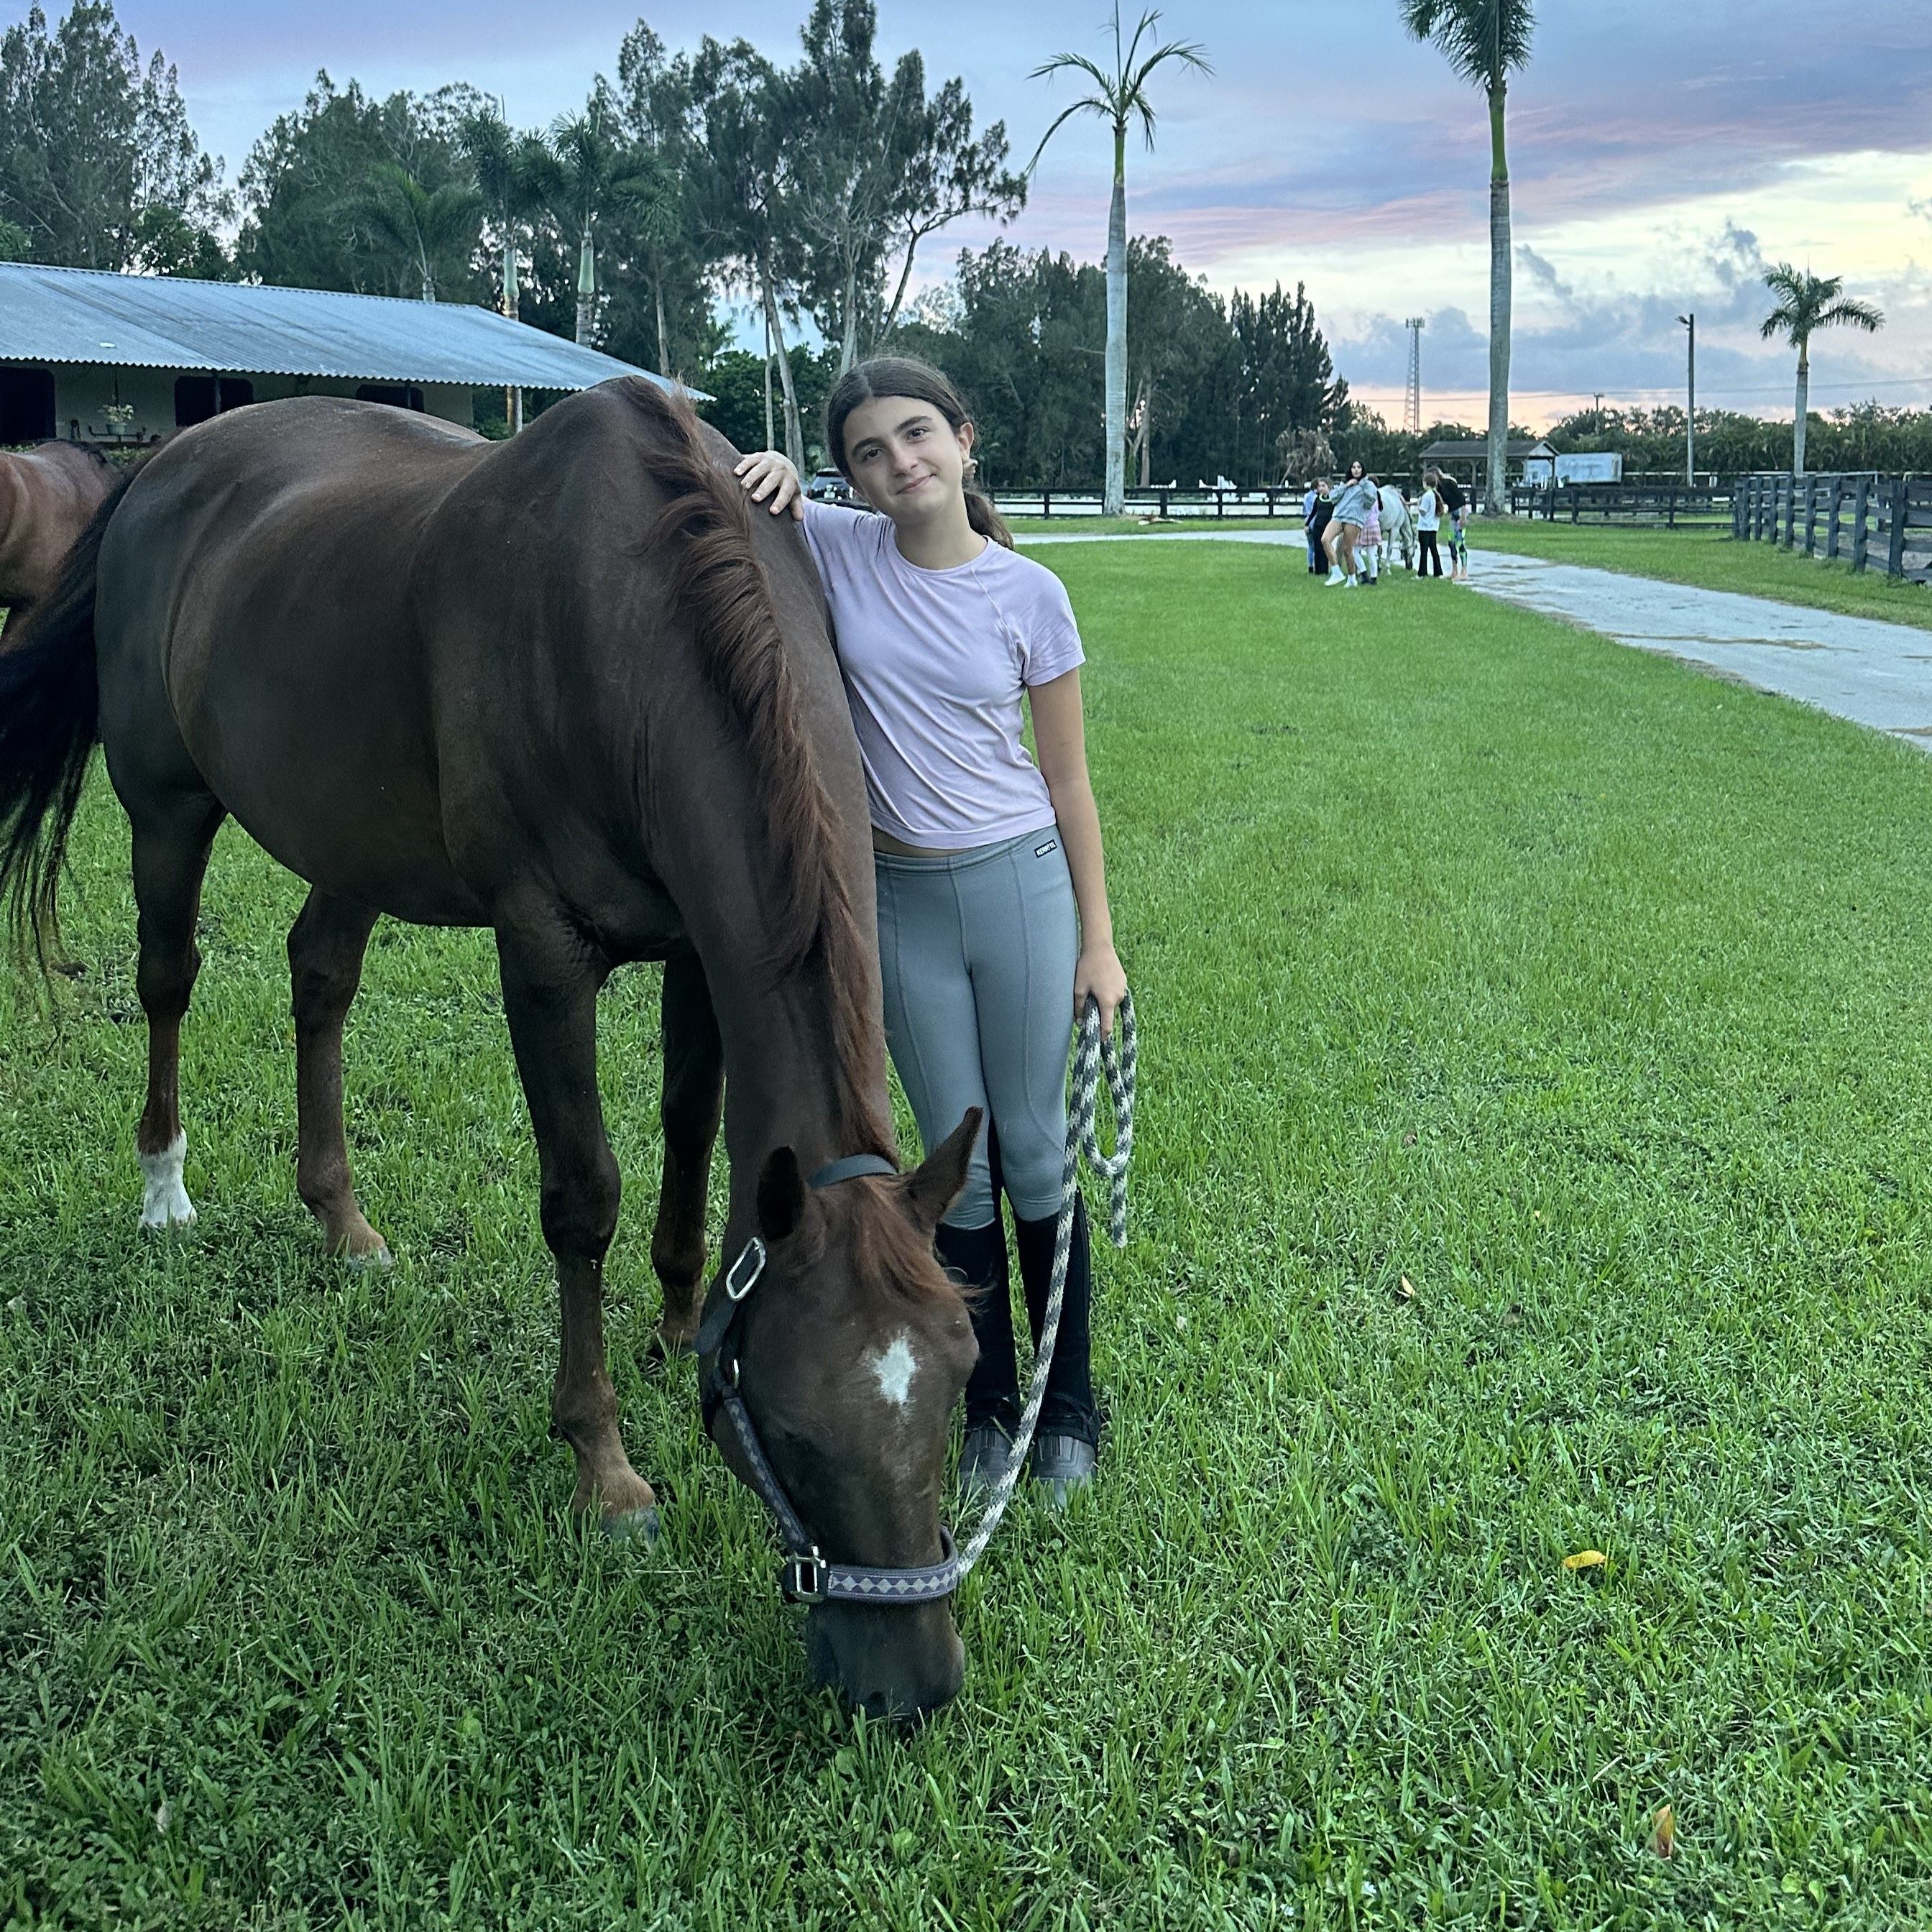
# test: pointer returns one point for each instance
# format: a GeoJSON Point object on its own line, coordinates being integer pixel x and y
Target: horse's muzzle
{"type": "Point", "coordinates": [899, 1663]}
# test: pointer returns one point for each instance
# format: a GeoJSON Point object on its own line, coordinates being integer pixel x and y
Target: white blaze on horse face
{"type": "Point", "coordinates": [893, 1369]}
{"type": "Point", "coordinates": [164, 1202]}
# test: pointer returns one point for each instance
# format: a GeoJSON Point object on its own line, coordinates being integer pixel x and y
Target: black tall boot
{"type": "Point", "coordinates": [976, 1257]}
{"type": "Point", "coordinates": [1068, 1434]}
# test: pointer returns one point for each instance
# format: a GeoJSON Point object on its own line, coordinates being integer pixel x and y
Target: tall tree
{"type": "Point", "coordinates": [1180, 334]}
{"type": "Point", "coordinates": [848, 131]}
{"type": "Point", "coordinates": [589, 161]}
{"type": "Point", "coordinates": [1486, 41]}
{"type": "Point", "coordinates": [516, 177]}
{"type": "Point", "coordinates": [1287, 387]}
{"type": "Point", "coordinates": [1120, 97]}
{"type": "Point", "coordinates": [433, 231]}
{"type": "Point", "coordinates": [739, 190]}
{"type": "Point", "coordinates": [98, 165]}
{"type": "Point", "coordinates": [947, 175]}
{"type": "Point", "coordinates": [1807, 303]}
{"type": "Point", "coordinates": [874, 167]}
{"type": "Point", "coordinates": [658, 105]}
{"type": "Point", "coordinates": [319, 216]}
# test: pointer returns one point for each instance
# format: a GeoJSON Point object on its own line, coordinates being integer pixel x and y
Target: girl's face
{"type": "Point", "coordinates": [1354, 472]}
{"type": "Point", "coordinates": [908, 462]}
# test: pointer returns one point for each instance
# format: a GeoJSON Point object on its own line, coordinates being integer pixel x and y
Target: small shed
{"type": "Point", "coordinates": [94, 357]}
{"type": "Point", "coordinates": [1467, 457]}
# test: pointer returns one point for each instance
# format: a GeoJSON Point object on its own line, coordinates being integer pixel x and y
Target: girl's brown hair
{"type": "Point", "coordinates": [920, 382]}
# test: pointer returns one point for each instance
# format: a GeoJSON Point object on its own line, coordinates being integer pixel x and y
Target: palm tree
{"type": "Point", "coordinates": [1119, 98]}
{"type": "Point", "coordinates": [516, 174]}
{"type": "Point", "coordinates": [586, 147]}
{"type": "Point", "coordinates": [1807, 303]}
{"type": "Point", "coordinates": [425, 227]}
{"type": "Point", "coordinates": [1486, 41]}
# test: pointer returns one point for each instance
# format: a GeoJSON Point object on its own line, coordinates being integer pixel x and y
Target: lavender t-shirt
{"type": "Point", "coordinates": [935, 662]}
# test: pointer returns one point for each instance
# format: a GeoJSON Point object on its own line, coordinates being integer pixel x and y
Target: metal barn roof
{"type": "Point", "coordinates": [1463, 448]}
{"type": "Point", "coordinates": [86, 315]}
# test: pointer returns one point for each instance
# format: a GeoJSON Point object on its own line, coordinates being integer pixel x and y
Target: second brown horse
{"type": "Point", "coordinates": [47, 496]}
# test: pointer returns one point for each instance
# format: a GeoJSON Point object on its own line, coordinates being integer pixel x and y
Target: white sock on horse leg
{"type": "Point", "coordinates": [164, 1202]}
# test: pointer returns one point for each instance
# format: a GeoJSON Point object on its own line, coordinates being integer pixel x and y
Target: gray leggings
{"type": "Point", "coordinates": [977, 952]}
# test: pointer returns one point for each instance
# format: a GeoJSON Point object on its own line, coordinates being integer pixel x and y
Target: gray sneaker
{"type": "Point", "coordinates": [1062, 1465]}
{"type": "Point", "coordinates": [983, 1456]}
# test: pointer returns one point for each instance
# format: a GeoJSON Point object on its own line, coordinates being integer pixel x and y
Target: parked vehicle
{"type": "Point", "coordinates": [829, 486]}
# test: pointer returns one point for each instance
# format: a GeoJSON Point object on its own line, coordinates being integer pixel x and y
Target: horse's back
{"type": "Point", "coordinates": [253, 629]}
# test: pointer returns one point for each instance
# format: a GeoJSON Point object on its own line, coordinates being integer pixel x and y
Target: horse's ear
{"type": "Point", "coordinates": [781, 1195]}
{"type": "Point", "coordinates": [934, 1184]}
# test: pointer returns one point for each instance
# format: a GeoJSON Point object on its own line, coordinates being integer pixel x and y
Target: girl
{"type": "Point", "coordinates": [1428, 523]}
{"type": "Point", "coordinates": [1345, 527]}
{"type": "Point", "coordinates": [1317, 526]}
{"type": "Point", "coordinates": [994, 926]}
{"type": "Point", "coordinates": [1371, 533]}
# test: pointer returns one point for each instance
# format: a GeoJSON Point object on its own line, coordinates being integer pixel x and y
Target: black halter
{"type": "Point", "coordinates": [807, 1577]}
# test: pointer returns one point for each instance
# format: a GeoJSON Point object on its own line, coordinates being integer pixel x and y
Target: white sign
{"type": "Point", "coordinates": [1594, 466]}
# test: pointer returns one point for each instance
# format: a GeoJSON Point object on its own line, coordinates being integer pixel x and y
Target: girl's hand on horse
{"type": "Point", "coordinates": [1100, 975]}
{"type": "Point", "coordinates": [770, 474]}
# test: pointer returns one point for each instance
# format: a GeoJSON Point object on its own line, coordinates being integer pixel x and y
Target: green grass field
{"type": "Point", "coordinates": [1584, 995]}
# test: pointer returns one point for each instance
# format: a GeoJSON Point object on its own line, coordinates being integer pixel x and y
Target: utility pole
{"type": "Point", "coordinates": [1411, 412]}
{"type": "Point", "coordinates": [1690, 321]}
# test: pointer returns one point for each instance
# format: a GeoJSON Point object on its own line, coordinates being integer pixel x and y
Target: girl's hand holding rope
{"type": "Point", "coordinates": [1099, 976]}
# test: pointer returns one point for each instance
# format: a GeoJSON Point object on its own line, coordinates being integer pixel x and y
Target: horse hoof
{"type": "Point", "coordinates": [161, 1218]}
{"type": "Point", "coordinates": [634, 1526]}
{"type": "Point", "coordinates": [659, 1355]}
{"type": "Point", "coordinates": [378, 1258]}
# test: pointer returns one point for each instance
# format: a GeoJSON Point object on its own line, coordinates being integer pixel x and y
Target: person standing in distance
{"type": "Point", "coordinates": [994, 924]}
{"type": "Point", "coordinates": [1428, 524]}
{"type": "Point", "coordinates": [1456, 508]}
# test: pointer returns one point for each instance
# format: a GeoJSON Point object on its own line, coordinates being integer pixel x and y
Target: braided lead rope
{"type": "Point", "coordinates": [1090, 1054]}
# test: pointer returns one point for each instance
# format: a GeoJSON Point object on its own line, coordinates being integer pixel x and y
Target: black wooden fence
{"type": "Point", "coordinates": [1869, 521]}
{"type": "Point", "coordinates": [1667, 503]}
{"type": "Point", "coordinates": [1154, 501]}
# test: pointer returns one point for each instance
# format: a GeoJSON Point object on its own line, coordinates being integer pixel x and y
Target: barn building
{"type": "Point", "coordinates": [1467, 458]}
{"type": "Point", "coordinates": [117, 360]}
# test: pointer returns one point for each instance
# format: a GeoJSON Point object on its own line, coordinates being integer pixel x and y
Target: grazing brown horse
{"type": "Point", "coordinates": [565, 687]}
{"type": "Point", "coordinates": [47, 496]}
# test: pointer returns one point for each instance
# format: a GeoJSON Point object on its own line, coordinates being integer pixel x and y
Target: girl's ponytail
{"type": "Point", "coordinates": [986, 520]}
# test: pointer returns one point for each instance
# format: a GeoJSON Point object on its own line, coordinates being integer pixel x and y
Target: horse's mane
{"type": "Point", "coordinates": [704, 532]}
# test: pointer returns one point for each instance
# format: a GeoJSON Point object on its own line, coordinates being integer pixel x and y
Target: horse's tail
{"type": "Point", "coordinates": [49, 710]}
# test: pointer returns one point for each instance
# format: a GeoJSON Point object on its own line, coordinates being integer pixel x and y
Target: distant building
{"type": "Point", "coordinates": [112, 359]}
{"type": "Point", "coordinates": [1467, 457]}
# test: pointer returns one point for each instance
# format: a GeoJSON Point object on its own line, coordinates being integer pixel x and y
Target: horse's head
{"type": "Point", "coordinates": [850, 1356]}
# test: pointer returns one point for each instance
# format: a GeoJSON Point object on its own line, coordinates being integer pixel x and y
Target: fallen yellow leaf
{"type": "Point", "coordinates": [1663, 1838]}
{"type": "Point", "coordinates": [1408, 1289]}
{"type": "Point", "coordinates": [1584, 1559]}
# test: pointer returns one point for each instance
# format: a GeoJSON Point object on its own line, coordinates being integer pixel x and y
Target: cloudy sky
{"type": "Point", "coordinates": [1662, 152]}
